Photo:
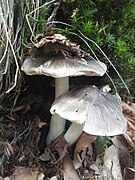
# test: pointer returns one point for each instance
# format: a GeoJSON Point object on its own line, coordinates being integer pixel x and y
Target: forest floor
{"type": "Point", "coordinates": [24, 155]}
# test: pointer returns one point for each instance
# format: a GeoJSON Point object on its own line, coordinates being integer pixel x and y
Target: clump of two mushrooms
{"type": "Point", "coordinates": [92, 110]}
{"type": "Point", "coordinates": [55, 56]}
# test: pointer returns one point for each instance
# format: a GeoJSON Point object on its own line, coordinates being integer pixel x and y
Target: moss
{"type": "Point", "coordinates": [111, 25]}
{"type": "Point", "coordinates": [101, 144]}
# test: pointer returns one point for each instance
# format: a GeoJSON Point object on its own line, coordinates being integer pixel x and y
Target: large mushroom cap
{"type": "Point", "coordinates": [57, 57]}
{"type": "Point", "coordinates": [100, 111]}
{"type": "Point", "coordinates": [59, 67]}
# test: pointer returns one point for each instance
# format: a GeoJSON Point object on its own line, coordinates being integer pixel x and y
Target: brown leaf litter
{"type": "Point", "coordinates": [21, 157]}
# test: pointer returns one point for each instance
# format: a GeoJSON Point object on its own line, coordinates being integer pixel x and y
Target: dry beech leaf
{"type": "Point", "coordinates": [22, 173]}
{"type": "Point", "coordinates": [132, 105]}
{"type": "Point", "coordinates": [130, 135]}
{"type": "Point", "coordinates": [69, 169]}
{"type": "Point", "coordinates": [112, 168]}
{"type": "Point", "coordinates": [125, 157]}
{"type": "Point", "coordinates": [84, 141]}
{"type": "Point", "coordinates": [59, 145]}
{"type": "Point", "coordinates": [129, 113]}
{"type": "Point", "coordinates": [46, 156]}
{"type": "Point", "coordinates": [129, 174]}
{"type": "Point", "coordinates": [96, 169]}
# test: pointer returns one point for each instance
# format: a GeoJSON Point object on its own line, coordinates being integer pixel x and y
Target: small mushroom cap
{"type": "Point", "coordinates": [59, 67]}
{"type": "Point", "coordinates": [100, 111]}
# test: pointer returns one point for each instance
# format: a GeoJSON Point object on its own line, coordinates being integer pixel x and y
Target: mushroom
{"type": "Point", "coordinates": [59, 58]}
{"type": "Point", "coordinates": [95, 110]}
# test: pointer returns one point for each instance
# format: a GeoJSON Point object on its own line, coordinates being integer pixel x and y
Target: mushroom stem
{"type": "Point", "coordinates": [57, 124]}
{"type": "Point", "coordinates": [61, 86]}
{"type": "Point", "coordinates": [73, 133]}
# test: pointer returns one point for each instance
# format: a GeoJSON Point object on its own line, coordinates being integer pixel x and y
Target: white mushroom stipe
{"type": "Point", "coordinates": [57, 123]}
{"type": "Point", "coordinates": [61, 86]}
{"type": "Point", "coordinates": [57, 126]}
{"type": "Point", "coordinates": [73, 133]}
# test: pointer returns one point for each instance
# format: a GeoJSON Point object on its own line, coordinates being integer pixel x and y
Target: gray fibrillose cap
{"type": "Point", "coordinates": [59, 67]}
{"type": "Point", "coordinates": [98, 110]}
{"type": "Point", "coordinates": [55, 56]}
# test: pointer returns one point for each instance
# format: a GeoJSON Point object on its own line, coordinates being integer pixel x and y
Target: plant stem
{"type": "Point", "coordinates": [73, 133]}
{"type": "Point", "coordinates": [57, 124]}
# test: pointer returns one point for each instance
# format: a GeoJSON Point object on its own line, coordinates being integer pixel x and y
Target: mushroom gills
{"type": "Point", "coordinates": [59, 67]}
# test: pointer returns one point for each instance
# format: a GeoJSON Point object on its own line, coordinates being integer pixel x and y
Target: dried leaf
{"type": "Point", "coordinates": [46, 156]}
{"type": "Point", "coordinates": [54, 43]}
{"type": "Point", "coordinates": [112, 168]}
{"type": "Point", "coordinates": [125, 157]}
{"type": "Point", "coordinates": [69, 169]}
{"type": "Point", "coordinates": [132, 105]}
{"type": "Point", "coordinates": [84, 141]}
{"type": "Point", "coordinates": [96, 169]}
{"type": "Point", "coordinates": [129, 113]}
{"type": "Point", "coordinates": [59, 145]}
{"type": "Point", "coordinates": [129, 174]}
{"type": "Point", "coordinates": [22, 173]}
{"type": "Point", "coordinates": [130, 139]}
